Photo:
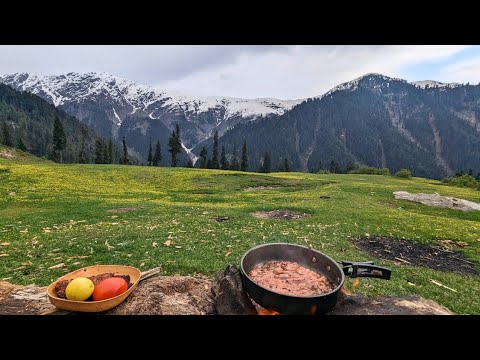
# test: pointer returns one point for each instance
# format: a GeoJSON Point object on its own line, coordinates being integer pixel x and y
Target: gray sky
{"type": "Point", "coordinates": [285, 72]}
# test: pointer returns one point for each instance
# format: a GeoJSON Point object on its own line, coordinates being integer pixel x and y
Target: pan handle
{"type": "Point", "coordinates": [365, 269]}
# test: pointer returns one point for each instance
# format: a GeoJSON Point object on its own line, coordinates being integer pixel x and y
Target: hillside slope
{"type": "Point", "coordinates": [373, 120]}
{"type": "Point", "coordinates": [56, 218]}
{"type": "Point", "coordinates": [30, 119]}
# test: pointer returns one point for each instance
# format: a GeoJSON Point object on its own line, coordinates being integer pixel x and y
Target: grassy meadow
{"type": "Point", "coordinates": [55, 218]}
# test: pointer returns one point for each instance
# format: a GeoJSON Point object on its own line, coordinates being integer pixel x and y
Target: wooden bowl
{"type": "Point", "coordinates": [94, 306]}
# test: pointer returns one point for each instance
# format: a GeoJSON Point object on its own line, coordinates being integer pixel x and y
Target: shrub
{"type": "Point", "coordinates": [370, 171]}
{"type": "Point", "coordinates": [462, 181]}
{"type": "Point", "coordinates": [404, 173]}
{"type": "Point", "coordinates": [384, 171]}
{"type": "Point", "coordinates": [321, 171]}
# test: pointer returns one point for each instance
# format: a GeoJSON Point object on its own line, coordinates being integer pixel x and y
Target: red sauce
{"type": "Point", "coordinates": [290, 278]}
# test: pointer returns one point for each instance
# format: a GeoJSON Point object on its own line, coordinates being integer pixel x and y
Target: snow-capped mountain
{"type": "Point", "coordinates": [104, 101]}
{"type": "Point", "coordinates": [432, 84]}
{"type": "Point", "coordinates": [376, 81]}
{"type": "Point", "coordinates": [374, 119]}
{"type": "Point", "coordinates": [382, 81]}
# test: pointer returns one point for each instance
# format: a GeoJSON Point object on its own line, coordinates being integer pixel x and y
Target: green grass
{"type": "Point", "coordinates": [52, 214]}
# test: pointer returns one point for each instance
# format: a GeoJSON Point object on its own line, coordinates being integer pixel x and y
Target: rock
{"type": "Point", "coordinates": [438, 200]}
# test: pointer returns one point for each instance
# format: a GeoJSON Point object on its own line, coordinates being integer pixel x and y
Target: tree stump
{"type": "Point", "coordinates": [198, 295]}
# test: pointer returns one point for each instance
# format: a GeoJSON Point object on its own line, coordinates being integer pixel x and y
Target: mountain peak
{"type": "Point", "coordinates": [371, 80]}
{"type": "Point", "coordinates": [378, 75]}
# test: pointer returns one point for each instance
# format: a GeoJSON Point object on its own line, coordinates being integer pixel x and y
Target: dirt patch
{"type": "Point", "coordinates": [438, 200]}
{"type": "Point", "coordinates": [203, 192]}
{"type": "Point", "coordinates": [255, 188]}
{"type": "Point", "coordinates": [221, 218]}
{"type": "Point", "coordinates": [409, 252]}
{"type": "Point", "coordinates": [387, 203]}
{"type": "Point", "coordinates": [7, 154]}
{"type": "Point", "coordinates": [122, 210]}
{"type": "Point", "coordinates": [280, 214]}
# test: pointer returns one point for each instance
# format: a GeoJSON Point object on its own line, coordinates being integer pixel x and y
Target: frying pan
{"type": "Point", "coordinates": [311, 259]}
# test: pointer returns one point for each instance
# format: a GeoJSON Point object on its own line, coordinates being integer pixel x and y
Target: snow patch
{"type": "Point", "coordinates": [192, 156]}
{"type": "Point", "coordinates": [433, 84]}
{"type": "Point", "coordinates": [116, 115]}
{"type": "Point", "coordinates": [75, 87]}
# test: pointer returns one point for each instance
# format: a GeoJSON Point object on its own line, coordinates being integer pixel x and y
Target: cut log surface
{"type": "Point", "coordinates": [230, 297]}
{"type": "Point", "coordinates": [168, 295]}
{"type": "Point", "coordinates": [387, 305]}
{"type": "Point", "coordinates": [198, 295]}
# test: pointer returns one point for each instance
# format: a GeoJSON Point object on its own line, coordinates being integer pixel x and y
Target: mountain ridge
{"type": "Point", "coordinates": [139, 94]}
{"type": "Point", "coordinates": [374, 120]}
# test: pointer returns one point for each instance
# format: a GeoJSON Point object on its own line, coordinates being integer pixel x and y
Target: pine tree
{"type": "Point", "coordinates": [209, 164]}
{"type": "Point", "coordinates": [223, 160]}
{"type": "Point", "coordinates": [7, 138]}
{"type": "Point", "coordinates": [350, 166]}
{"type": "Point", "coordinates": [470, 172]}
{"type": "Point", "coordinates": [189, 163]}
{"type": "Point", "coordinates": [150, 155]}
{"type": "Point", "coordinates": [104, 151]}
{"type": "Point", "coordinates": [98, 151]}
{"type": "Point", "coordinates": [234, 164]}
{"type": "Point", "coordinates": [286, 165]}
{"type": "Point", "coordinates": [110, 152]}
{"type": "Point", "coordinates": [81, 154]}
{"type": "Point", "coordinates": [215, 162]}
{"type": "Point", "coordinates": [59, 140]}
{"type": "Point", "coordinates": [157, 157]}
{"type": "Point", "coordinates": [125, 158]}
{"type": "Point", "coordinates": [172, 149]}
{"type": "Point", "coordinates": [244, 165]}
{"type": "Point", "coordinates": [335, 167]}
{"type": "Point", "coordinates": [175, 145]}
{"type": "Point", "coordinates": [267, 163]}
{"type": "Point", "coordinates": [338, 169]}
{"type": "Point", "coordinates": [332, 166]}
{"type": "Point", "coordinates": [203, 158]}
{"type": "Point", "coordinates": [21, 144]}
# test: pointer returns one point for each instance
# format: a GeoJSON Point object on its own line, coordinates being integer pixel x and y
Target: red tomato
{"type": "Point", "coordinates": [109, 288]}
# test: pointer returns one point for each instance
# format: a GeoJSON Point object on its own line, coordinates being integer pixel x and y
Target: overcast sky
{"type": "Point", "coordinates": [285, 72]}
